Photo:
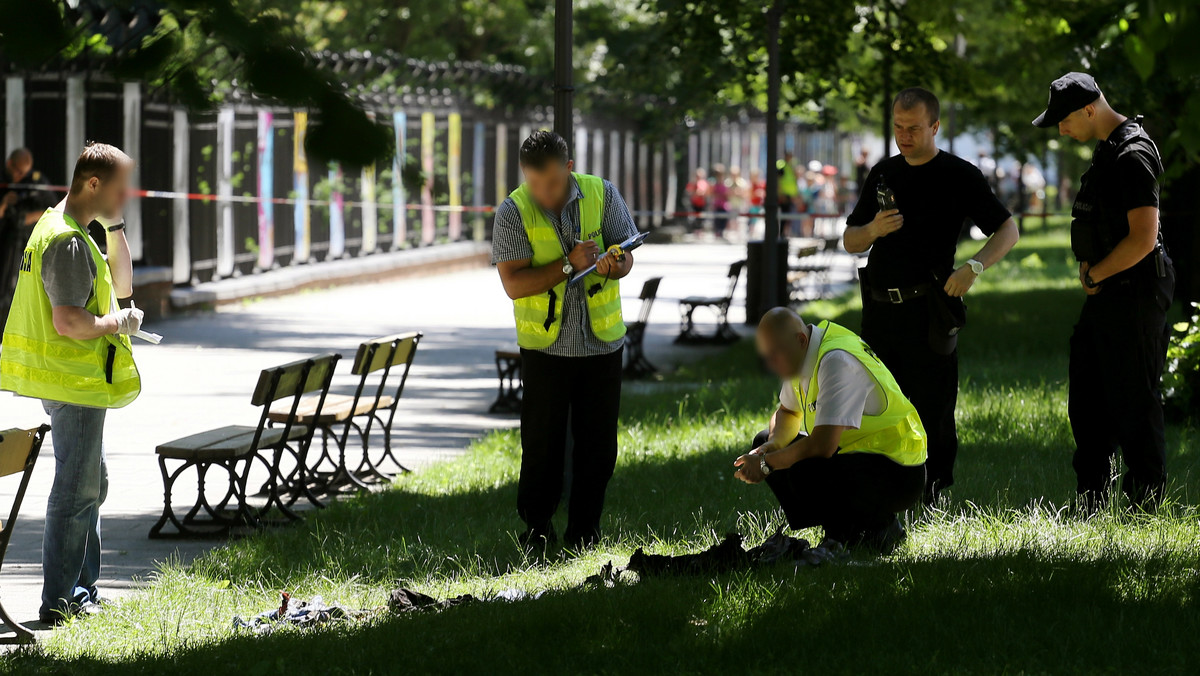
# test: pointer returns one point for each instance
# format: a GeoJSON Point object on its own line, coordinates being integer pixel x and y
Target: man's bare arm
{"type": "Point", "coordinates": [1141, 240]}
{"type": "Point", "coordinates": [783, 427]}
{"type": "Point", "coordinates": [521, 279]}
{"type": "Point", "coordinates": [79, 324]}
{"type": "Point", "coordinates": [999, 244]}
{"type": "Point", "coordinates": [859, 238]}
{"type": "Point", "coordinates": [120, 264]}
{"type": "Point", "coordinates": [822, 443]}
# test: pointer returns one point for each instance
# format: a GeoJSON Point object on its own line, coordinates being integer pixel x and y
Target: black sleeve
{"type": "Point", "coordinates": [867, 205]}
{"type": "Point", "coordinates": [983, 207]}
{"type": "Point", "coordinates": [1137, 180]}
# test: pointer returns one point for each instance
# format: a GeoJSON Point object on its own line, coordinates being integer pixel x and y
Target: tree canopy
{"type": "Point", "coordinates": [656, 61]}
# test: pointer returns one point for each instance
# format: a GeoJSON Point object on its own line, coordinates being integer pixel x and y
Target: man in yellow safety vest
{"type": "Point", "coordinates": [551, 228]}
{"type": "Point", "coordinates": [66, 342]}
{"type": "Point", "coordinates": [845, 450]}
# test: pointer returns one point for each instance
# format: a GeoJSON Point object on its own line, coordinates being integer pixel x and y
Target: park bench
{"type": "Point", "coordinates": [508, 367]}
{"type": "Point", "coordinates": [719, 305]}
{"type": "Point", "coordinates": [18, 452]}
{"type": "Point", "coordinates": [636, 364]}
{"type": "Point", "coordinates": [235, 448]}
{"type": "Point", "coordinates": [809, 278]}
{"type": "Point", "coordinates": [378, 363]}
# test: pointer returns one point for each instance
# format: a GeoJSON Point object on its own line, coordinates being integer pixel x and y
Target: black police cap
{"type": "Point", "coordinates": [1068, 94]}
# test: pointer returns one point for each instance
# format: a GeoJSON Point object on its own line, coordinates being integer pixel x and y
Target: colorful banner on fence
{"type": "Point", "coordinates": [370, 211]}
{"type": "Point", "coordinates": [399, 213]}
{"type": "Point", "coordinates": [266, 188]}
{"type": "Point", "coordinates": [303, 226]}
{"type": "Point", "coordinates": [337, 213]}
{"type": "Point", "coordinates": [428, 137]}
{"type": "Point", "coordinates": [454, 173]}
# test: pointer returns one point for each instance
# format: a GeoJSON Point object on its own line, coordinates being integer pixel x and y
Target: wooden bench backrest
{"type": "Point", "coordinates": [377, 353]}
{"type": "Point", "coordinates": [15, 446]}
{"type": "Point", "coordinates": [650, 288]}
{"type": "Point", "coordinates": [293, 378]}
{"type": "Point", "coordinates": [649, 293]}
{"type": "Point", "coordinates": [735, 272]}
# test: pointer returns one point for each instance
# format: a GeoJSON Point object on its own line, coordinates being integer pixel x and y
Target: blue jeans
{"type": "Point", "coordinates": [71, 544]}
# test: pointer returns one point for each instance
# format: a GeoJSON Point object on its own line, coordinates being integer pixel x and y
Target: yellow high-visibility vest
{"type": "Point", "coordinates": [897, 432]}
{"type": "Point", "coordinates": [539, 317]}
{"type": "Point", "coordinates": [38, 362]}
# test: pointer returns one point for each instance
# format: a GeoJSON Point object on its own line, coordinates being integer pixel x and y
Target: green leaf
{"type": "Point", "coordinates": [1140, 56]}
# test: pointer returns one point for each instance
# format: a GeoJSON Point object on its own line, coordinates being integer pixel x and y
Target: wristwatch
{"type": "Point", "coordinates": [1089, 282]}
{"type": "Point", "coordinates": [763, 466]}
{"type": "Point", "coordinates": [976, 266]}
{"type": "Point", "coordinates": [568, 269]}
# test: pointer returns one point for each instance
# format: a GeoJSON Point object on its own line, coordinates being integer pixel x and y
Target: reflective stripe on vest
{"type": "Point", "coordinates": [539, 318]}
{"type": "Point", "coordinates": [36, 361]}
{"type": "Point", "coordinates": [896, 432]}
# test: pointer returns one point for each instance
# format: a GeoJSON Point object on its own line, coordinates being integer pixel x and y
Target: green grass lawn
{"type": "Point", "coordinates": [1002, 581]}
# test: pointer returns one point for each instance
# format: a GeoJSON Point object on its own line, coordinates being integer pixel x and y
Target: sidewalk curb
{"type": "Point", "coordinates": [376, 267]}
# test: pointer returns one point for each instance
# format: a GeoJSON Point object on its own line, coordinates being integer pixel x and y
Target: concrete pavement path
{"type": "Point", "coordinates": [202, 375]}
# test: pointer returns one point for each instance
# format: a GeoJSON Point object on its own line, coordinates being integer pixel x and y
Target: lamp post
{"type": "Point", "coordinates": [771, 208]}
{"type": "Point", "coordinates": [564, 88]}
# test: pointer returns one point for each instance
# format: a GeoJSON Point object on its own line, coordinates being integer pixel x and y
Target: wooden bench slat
{"type": "Point", "coordinates": [336, 409]}
{"type": "Point", "coordinates": [224, 443]}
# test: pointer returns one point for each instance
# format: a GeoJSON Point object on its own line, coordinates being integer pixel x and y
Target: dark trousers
{"type": "Point", "coordinates": [1117, 355]}
{"type": "Point", "coordinates": [588, 391]}
{"type": "Point", "coordinates": [849, 495]}
{"type": "Point", "coordinates": [899, 335]}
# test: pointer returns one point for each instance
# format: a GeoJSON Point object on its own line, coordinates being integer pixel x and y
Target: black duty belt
{"type": "Point", "coordinates": [897, 296]}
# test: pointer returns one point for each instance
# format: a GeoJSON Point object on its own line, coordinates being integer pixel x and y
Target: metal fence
{"type": "Point", "coordinates": [231, 192]}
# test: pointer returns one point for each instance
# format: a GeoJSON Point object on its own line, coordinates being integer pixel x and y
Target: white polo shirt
{"type": "Point", "coordinates": [846, 393]}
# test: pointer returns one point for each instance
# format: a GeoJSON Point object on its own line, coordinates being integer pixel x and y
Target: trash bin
{"type": "Point", "coordinates": [754, 278]}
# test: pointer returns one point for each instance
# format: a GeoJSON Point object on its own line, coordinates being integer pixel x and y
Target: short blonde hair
{"type": "Point", "coordinates": [99, 160]}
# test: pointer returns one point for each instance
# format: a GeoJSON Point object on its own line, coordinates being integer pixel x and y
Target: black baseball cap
{"type": "Point", "coordinates": [1068, 94]}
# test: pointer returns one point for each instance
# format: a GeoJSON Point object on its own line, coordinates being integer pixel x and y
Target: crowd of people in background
{"type": "Point", "coordinates": [732, 203]}
{"type": "Point", "coordinates": [728, 203]}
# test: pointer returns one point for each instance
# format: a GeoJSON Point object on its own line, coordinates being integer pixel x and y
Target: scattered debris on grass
{"type": "Point", "coordinates": [725, 556]}
{"type": "Point", "coordinates": [300, 613]}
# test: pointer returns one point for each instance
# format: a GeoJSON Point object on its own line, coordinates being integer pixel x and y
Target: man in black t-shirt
{"type": "Point", "coordinates": [22, 202]}
{"type": "Point", "coordinates": [1119, 345]}
{"type": "Point", "coordinates": [912, 307]}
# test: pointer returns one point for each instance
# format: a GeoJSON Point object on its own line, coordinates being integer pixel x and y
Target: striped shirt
{"type": "Point", "coordinates": [510, 243]}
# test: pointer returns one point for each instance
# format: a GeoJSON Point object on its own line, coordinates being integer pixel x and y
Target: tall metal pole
{"type": "Point", "coordinates": [886, 94]}
{"type": "Point", "coordinates": [770, 274]}
{"type": "Point", "coordinates": [564, 68]}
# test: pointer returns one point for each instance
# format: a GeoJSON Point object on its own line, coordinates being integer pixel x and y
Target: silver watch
{"type": "Point", "coordinates": [568, 269]}
{"type": "Point", "coordinates": [976, 266]}
{"type": "Point", "coordinates": [763, 466]}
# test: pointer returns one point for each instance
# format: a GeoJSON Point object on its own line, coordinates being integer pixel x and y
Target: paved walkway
{"type": "Point", "coordinates": [202, 375]}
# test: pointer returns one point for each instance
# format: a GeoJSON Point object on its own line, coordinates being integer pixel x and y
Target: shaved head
{"type": "Point", "coordinates": [783, 341]}
{"type": "Point", "coordinates": [19, 163]}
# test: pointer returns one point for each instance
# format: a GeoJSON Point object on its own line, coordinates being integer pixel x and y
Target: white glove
{"type": "Point", "coordinates": [129, 320]}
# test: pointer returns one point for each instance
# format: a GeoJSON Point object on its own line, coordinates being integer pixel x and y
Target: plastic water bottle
{"type": "Point", "coordinates": [885, 196]}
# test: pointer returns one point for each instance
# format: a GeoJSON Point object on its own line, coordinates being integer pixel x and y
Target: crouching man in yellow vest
{"type": "Point", "coordinates": [66, 342]}
{"type": "Point", "coordinates": [845, 450]}
{"type": "Point", "coordinates": [571, 337]}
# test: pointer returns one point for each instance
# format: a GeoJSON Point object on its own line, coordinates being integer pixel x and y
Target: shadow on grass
{"type": "Point", "coordinates": [1011, 614]}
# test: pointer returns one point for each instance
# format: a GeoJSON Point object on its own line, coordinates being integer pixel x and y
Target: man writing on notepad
{"type": "Point", "coordinates": [551, 228]}
{"type": "Point", "coordinates": [66, 342]}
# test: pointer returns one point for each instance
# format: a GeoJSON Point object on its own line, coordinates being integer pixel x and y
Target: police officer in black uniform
{"type": "Point", "coordinates": [1120, 342]}
{"type": "Point", "coordinates": [909, 216]}
{"type": "Point", "coordinates": [22, 202]}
